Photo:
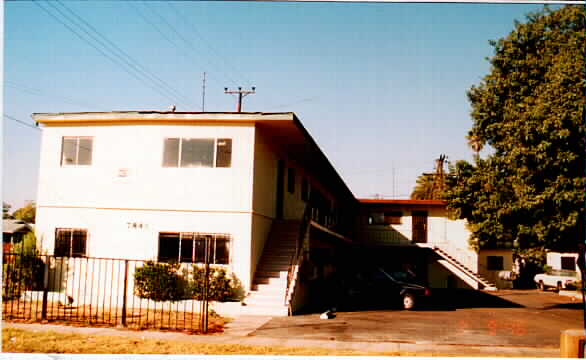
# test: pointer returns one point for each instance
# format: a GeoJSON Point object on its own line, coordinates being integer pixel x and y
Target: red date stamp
{"type": "Point", "coordinates": [494, 327]}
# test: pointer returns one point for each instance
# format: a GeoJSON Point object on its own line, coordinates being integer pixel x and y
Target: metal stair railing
{"type": "Point", "coordinates": [297, 257]}
{"type": "Point", "coordinates": [461, 267]}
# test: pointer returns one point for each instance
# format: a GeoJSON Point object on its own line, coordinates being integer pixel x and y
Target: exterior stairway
{"type": "Point", "coordinates": [267, 296]}
{"type": "Point", "coordinates": [463, 272]}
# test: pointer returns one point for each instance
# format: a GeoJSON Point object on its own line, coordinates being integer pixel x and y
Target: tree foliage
{"type": "Point", "coordinates": [530, 110]}
{"type": "Point", "coordinates": [6, 210]}
{"type": "Point", "coordinates": [26, 213]}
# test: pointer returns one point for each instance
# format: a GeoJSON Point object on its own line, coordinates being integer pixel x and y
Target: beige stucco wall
{"type": "Point", "coordinates": [492, 275]}
{"type": "Point", "coordinates": [149, 185]}
{"type": "Point", "coordinates": [110, 236]}
{"type": "Point", "coordinates": [261, 227]}
{"type": "Point", "coordinates": [214, 200]}
{"type": "Point", "coordinates": [266, 157]}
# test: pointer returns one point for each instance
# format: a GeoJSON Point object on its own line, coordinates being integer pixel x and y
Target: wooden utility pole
{"type": "Point", "coordinates": [241, 93]}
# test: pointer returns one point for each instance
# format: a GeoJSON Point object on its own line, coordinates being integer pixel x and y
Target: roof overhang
{"type": "Point", "coordinates": [163, 117]}
{"type": "Point", "coordinates": [419, 203]}
{"type": "Point", "coordinates": [284, 129]}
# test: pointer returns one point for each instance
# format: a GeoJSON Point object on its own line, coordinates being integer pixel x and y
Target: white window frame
{"type": "Point", "coordinates": [194, 236]}
{"type": "Point", "coordinates": [72, 230]}
{"type": "Point", "coordinates": [180, 150]}
{"type": "Point", "coordinates": [77, 138]}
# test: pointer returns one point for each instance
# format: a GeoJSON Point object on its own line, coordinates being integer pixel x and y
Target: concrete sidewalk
{"type": "Point", "coordinates": [241, 329]}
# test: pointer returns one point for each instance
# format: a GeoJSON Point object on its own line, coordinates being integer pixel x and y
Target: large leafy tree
{"type": "Point", "coordinates": [530, 110]}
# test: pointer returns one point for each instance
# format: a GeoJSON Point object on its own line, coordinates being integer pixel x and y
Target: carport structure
{"type": "Point", "coordinates": [420, 235]}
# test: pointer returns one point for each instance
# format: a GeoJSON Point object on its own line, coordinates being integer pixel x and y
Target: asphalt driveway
{"type": "Point", "coordinates": [525, 318]}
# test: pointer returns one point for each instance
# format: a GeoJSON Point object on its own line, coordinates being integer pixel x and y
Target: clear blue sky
{"type": "Point", "coordinates": [380, 86]}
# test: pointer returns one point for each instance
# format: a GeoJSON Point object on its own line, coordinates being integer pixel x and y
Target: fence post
{"type": "Point", "coordinates": [45, 289]}
{"type": "Point", "coordinates": [124, 294]}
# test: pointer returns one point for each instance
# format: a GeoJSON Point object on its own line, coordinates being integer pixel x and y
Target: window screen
{"type": "Point", "coordinates": [224, 153]}
{"type": "Point", "coordinates": [171, 152]}
{"type": "Point", "coordinates": [190, 248]}
{"type": "Point", "coordinates": [70, 242]}
{"type": "Point", "coordinates": [197, 152]}
{"type": "Point", "coordinates": [76, 150]}
{"type": "Point", "coordinates": [168, 247]}
{"type": "Point", "coordinates": [568, 263]}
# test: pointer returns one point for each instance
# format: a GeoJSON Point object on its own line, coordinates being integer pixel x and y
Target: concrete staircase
{"type": "Point", "coordinates": [267, 296]}
{"type": "Point", "coordinates": [463, 272]}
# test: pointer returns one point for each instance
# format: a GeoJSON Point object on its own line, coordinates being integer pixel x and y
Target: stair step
{"type": "Point", "coordinates": [271, 274]}
{"type": "Point", "coordinates": [273, 267]}
{"type": "Point", "coordinates": [270, 280]}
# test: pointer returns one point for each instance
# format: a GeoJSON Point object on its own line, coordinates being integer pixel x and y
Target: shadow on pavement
{"type": "Point", "coordinates": [440, 300]}
{"type": "Point", "coordinates": [575, 306]}
{"type": "Point", "coordinates": [452, 299]}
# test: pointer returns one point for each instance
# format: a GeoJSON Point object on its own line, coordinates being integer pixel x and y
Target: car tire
{"type": "Point", "coordinates": [541, 285]}
{"type": "Point", "coordinates": [408, 301]}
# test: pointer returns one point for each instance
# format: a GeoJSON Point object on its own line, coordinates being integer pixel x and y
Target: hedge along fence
{"type": "Point", "coordinates": [134, 293]}
{"type": "Point", "coordinates": [169, 282]}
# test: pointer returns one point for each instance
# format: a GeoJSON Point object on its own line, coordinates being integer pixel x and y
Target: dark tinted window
{"type": "Point", "coordinates": [494, 263]}
{"type": "Point", "coordinates": [224, 153]}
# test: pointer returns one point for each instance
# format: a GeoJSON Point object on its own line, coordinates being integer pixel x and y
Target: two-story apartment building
{"type": "Point", "coordinates": [152, 185]}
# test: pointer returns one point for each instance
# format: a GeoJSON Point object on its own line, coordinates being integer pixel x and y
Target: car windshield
{"type": "Point", "coordinates": [562, 273]}
{"type": "Point", "coordinates": [402, 276]}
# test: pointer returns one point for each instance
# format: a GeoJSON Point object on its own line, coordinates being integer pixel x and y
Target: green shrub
{"type": "Point", "coordinates": [221, 286]}
{"type": "Point", "coordinates": [24, 270]}
{"type": "Point", "coordinates": [164, 282]}
{"type": "Point", "coordinates": [159, 282]}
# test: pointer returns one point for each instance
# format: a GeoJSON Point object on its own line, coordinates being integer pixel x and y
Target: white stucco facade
{"type": "Point", "coordinates": [127, 195]}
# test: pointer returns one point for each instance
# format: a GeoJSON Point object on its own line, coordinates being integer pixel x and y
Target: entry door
{"type": "Point", "coordinates": [280, 188]}
{"type": "Point", "coordinates": [419, 226]}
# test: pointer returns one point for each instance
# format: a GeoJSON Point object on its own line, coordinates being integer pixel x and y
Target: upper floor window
{"type": "Point", "coordinates": [191, 247]}
{"type": "Point", "coordinates": [291, 180]}
{"type": "Point", "coordinates": [305, 190]}
{"type": "Point", "coordinates": [568, 263]}
{"type": "Point", "coordinates": [70, 242]}
{"type": "Point", "coordinates": [185, 152]}
{"type": "Point", "coordinates": [385, 218]}
{"type": "Point", "coordinates": [76, 150]}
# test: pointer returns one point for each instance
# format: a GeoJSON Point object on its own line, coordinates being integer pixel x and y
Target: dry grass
{"type": "Point", "coordinates": [26, 341]}
{"type": "Point", "coordinates": [136, 319]}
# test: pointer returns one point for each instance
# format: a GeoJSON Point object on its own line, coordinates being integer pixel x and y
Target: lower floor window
{"type": "Point", "coordinates": [494, 263]}
{"type": "Point", "coordinates": [191, 247]}
{"type": "Point", "coordinates": [70, 242]}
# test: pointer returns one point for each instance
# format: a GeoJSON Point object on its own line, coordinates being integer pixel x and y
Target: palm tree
{"type": "Point", "coordinates": [475, 143]}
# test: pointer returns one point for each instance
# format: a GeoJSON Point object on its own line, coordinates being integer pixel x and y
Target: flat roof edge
{"type": "Point", "coordinates": [159, 116]}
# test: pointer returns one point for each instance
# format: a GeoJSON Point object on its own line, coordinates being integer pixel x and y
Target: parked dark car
{"type": "Point", "coordinates": [378, 286]}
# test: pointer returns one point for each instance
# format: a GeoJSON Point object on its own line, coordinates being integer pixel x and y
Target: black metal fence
{"type": "Point", "coordinates": [92, 291]}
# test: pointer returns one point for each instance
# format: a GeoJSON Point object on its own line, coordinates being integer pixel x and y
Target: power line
{"type": "Point", "coordinates": [38, 92]}
{"type": "Point", "coordinates": [125, 56]}
{"type": "Point", "coordinates": [21, 122]}
{"type": "Point", "coordinates": [106, 55]}
{"type": "Point", "coordinates": [189, 44]}
{"type": "Point", "coordinates": [181, 49]}
{"type": "Point", "coordinates": [190, 24]}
